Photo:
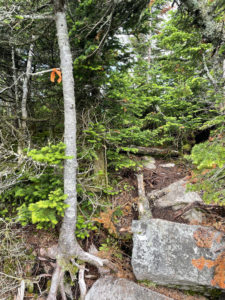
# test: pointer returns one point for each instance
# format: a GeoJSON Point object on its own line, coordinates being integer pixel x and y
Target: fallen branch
{"type": "Point", "coordinates": [143, 205]}
{"type": "Point", "coordinates": [154, 151]}
{"type": "Point", "coordinates": [187, 208]}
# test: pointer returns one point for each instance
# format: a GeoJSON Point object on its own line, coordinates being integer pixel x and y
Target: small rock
{"type": "Point", "coordinates": [169, 165]}
{"type": "Point", "coordinates": [175, 196]}
{"type": "Point", "coordinates": [193, 215]}
{"type": "Point", "coordinates": [112, 288]}
{"type": "Point", "coordinates": [149, 163]}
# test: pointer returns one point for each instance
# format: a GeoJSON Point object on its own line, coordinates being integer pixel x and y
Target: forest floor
{"type": "Point", "coordinates": [114, 237]}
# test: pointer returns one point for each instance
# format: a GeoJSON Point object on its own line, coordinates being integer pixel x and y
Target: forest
{"type": "Point", "coordinates": [107, 107]}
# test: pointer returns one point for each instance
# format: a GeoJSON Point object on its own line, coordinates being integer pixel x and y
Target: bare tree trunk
{"type": "Point", "coordinates": [222, 105]}
{"type": "Point", "coordinates": [24, 136]}
{"type": "Point", "coordinates": [15, 81]}
{"type": "Point", "coordinates": [149, 51]}
{"type": "Point", "coordinates": [68, 246]}
{"type": "Point", "coordinates": [67, 237]}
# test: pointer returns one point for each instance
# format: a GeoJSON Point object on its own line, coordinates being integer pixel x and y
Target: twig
{"type": "Point", "coordinates": [37, 17]}
{"type": "Point", "coordinates": [208, 73]}
{"type": "Point", "coordinates": [105, 35]}
{"type": "Point", "coordinates": [43, 72]}
{"type": "Point", "coordinates": [9, 276]}
{"type": "Point", "coordinates": [187, 208]}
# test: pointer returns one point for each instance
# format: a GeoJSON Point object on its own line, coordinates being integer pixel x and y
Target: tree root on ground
{"type": "Point", "coordinates": [103, 265]}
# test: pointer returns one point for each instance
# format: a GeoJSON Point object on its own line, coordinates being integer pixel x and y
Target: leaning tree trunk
{"type": "Point", "coordinates": [68, 247]}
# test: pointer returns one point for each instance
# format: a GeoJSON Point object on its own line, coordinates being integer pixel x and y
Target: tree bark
{"type": "Point", "coordinates": [68, 246]}
{"type": "Point", "coordinates": [222, 105]}
{"type": "Point", "coordinates": [15, 81]}
{"type": "Point", "coordinates": [67, 237]}
{"type": "Point", "coordinates": [23, 126]}
{"type": "Point", "coordinates": [143, 205]}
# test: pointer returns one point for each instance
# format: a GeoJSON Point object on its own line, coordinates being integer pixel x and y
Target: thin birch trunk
{"type": "Point", "coordinates": [26, 87]}
{"type": "Point", "coordinates": [67, 237]}
{"type": "Point", "coordinates": [15, 81]}
{"type": "Point", "coordinates": [222, 105]}
{"type": "Point", "coordinates": [23, 125]}
{"type": "Point", "coordinates": [149, 52]}
{"type": "Point", "coordinates": [68, 246]}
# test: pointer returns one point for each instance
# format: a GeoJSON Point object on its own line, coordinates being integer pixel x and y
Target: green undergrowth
{"type": "Point", "coordinates": [208, 176]}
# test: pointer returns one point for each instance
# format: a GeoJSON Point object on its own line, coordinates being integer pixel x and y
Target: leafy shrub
{"type": "Point", "coordinates": [39, 198]}
{"type": "Point", "coordinates": [84, 227]}
{"type": "Point", "coordinates": [209, 174]}
{"type": "Point", "coordinates": [44, 213]}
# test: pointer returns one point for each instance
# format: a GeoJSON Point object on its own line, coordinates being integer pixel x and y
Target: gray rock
{"type": "Point", "coordinates": [175, 196]}
{"type": "Point", "coordinates": [149, 163]}
{"type": "Point", "coordinates": [111, 288]}
{"type": "Point", "coordinates": [169, 165]}
{"type": "Point", "coordinates": [167, 253]}
{"type": "Point", "coordinates": [194, 214]}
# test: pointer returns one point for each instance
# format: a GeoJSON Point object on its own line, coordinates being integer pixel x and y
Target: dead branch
{"type": "Point", "coordinates": [43, 72]}
{"type": "Point", "coordinates": [143, 205]}
{"type": "Point", "coordinates": [154, 151]}
{"type": "Point", "coordinates": [187, 208]}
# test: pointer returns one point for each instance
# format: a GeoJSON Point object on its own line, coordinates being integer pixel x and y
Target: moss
{"type": "Point", "coordinates": [67, 266]}
{"type": "Point", "coordinates": [29, 286]}
{"type": "Point", "coordinates": [9, 267]}
{"type": "Point", "coordinates": [147, 283]}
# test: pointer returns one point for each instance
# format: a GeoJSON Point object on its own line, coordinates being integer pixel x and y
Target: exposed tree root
{"type": "Point", "coordinates": [21, 290]}
{"type": "Point", "coordinates": [62, 290]}
{"type": "Point", "coordinates": [57, 283]}
{"type": "Point", "coordinates": [57, 277]}
{"type": "Point", "coordinates": [82, 284]}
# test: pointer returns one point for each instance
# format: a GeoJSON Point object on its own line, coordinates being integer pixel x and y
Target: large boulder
{"type": "Point", "coordinates": [169, 253]}
{"type": "Point", "coordinates": [112, 288]}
